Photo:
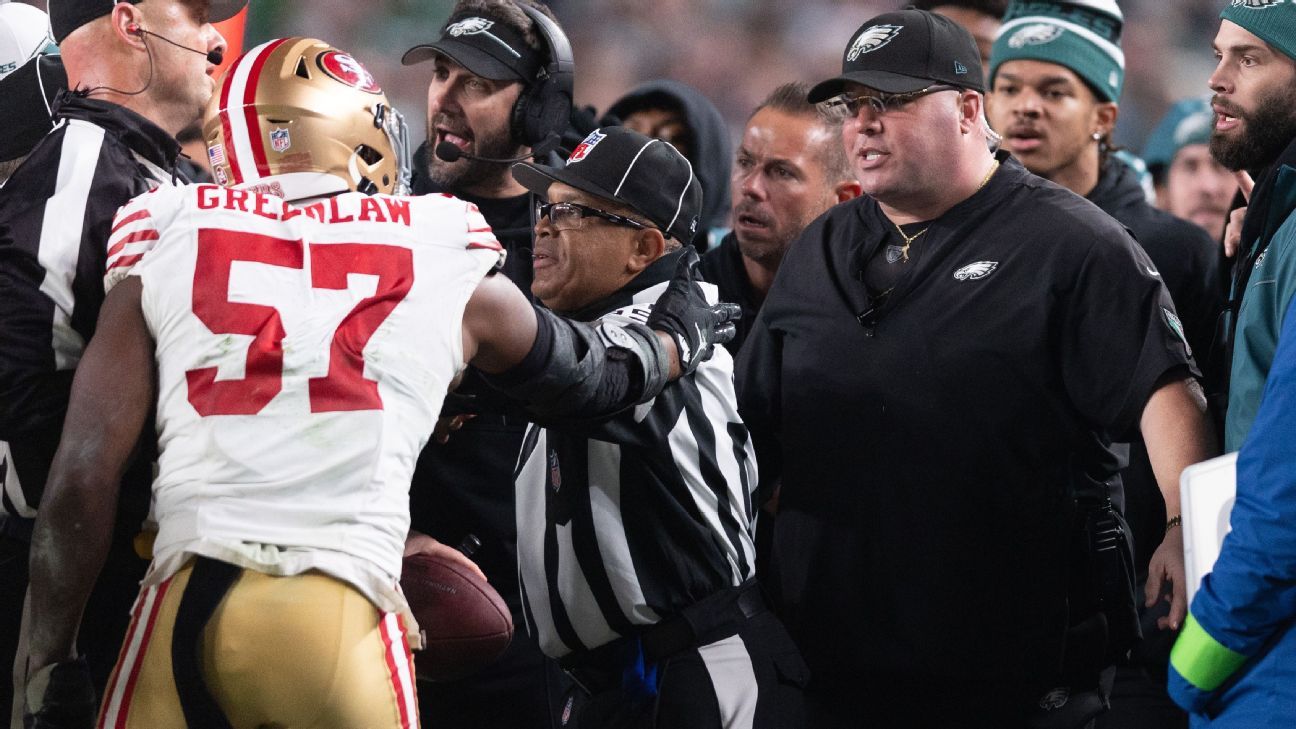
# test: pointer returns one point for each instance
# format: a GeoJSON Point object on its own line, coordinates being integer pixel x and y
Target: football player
{"type": "Point", "coordinates": [298, 331]}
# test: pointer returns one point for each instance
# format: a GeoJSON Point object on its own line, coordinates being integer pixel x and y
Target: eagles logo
{"type": "Point", "coordinates": [872, 39]}
{"type": "Point", "coordinates": [1035, 35]}
{"type": "Point", "coordinates": [1256, 4]}
{"type": "Point", "coordinates": [974, 271]}
{"type": "Point", "coordinates": [470, 26]}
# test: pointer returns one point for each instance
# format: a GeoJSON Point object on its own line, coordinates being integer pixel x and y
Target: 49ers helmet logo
{"type": "Point", "coordinates": [348, 70]}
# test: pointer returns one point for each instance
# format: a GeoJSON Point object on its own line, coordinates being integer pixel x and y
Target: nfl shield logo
{"type": "Point", "coordinates": [555, 473]}
{"type": "Point", "coordinates": [279, 140]}
{"type": "Point", "coordinates": [584, 148]}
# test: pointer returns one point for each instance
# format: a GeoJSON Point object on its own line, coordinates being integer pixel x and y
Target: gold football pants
{"type": "Point", "coordinates": [301, 652]}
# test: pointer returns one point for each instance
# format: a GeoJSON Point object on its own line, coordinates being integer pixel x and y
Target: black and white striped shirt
{"type": "Point", "coordinates": [56, 214]}
{"type": "Point", "coordinates": [624, 523]}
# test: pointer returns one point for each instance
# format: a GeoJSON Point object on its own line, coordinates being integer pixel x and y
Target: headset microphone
{"type": "Point", "coordinates": [213, 57]}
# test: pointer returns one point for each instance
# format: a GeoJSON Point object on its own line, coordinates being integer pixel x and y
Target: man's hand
{"type": "Point", "coordinates": [1233, 228]}
{"type": "Point", "coordinates": [449, 424]}
{"type": "Point", "coordinates": [683, 314]}
{"type": "Point", "coordinates": [1166, 580]}
{"type": "Point", "coordinates": [419, 543]}
{"type": "Point", "coordinates": [60, 696]}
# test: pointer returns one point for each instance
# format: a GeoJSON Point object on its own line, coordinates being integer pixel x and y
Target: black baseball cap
{"type": "Point", "coordinates": [907, 50]}
{"type": "Point", "coordinates": [483, 44]}
{"type": "Point", "coordinates": [68, 15]}
{"type": "Point", "coordinates": [616, 163]}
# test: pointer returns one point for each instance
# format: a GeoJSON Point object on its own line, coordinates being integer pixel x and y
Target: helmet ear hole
{"type": "Point", "coordinates": [302, 70]}
{"type": "Point", "coordinates": [370, 155]}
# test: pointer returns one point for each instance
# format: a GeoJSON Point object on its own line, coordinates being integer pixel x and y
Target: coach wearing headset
{"type": "Point", "coordinates": [500, 90]}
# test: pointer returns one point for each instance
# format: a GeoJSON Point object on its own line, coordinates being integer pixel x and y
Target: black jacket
{"type": "Point", "coordinates": [712, 152]}
{"type": "Point", "coordinates": [55, 219]}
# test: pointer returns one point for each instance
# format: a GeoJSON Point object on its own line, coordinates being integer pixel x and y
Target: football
{"type": "Point", "coordinates": [466, 625]}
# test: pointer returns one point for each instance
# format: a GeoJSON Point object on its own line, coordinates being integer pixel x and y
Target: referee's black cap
{"type": "Point", "coordinates": [68, 15]}
{"type": "Point", "coordinates": [616, 163]}
{"type": "Point", "coordinates": [907, 50]}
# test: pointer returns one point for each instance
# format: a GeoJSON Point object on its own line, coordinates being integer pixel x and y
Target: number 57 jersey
{"type": "Point", "coordinates": [302, 354]}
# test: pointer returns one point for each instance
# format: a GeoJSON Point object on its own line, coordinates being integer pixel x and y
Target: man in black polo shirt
{"type": "Point", "coordinates": [936, 376]}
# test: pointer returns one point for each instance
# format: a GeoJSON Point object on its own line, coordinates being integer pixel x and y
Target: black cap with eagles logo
{"type": "Point", "coordinates": [907, 50]}
{"type": "Point", "coordinates": [484, 45]}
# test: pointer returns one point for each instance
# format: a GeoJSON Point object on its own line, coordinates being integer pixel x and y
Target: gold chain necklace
{"type": "Point", "coordinates": [904, 249]}
{"type": "Point", "coordinates": [908, 239]}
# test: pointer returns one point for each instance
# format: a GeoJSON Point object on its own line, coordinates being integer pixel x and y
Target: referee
{"type": "Point", "coordinates": [634, 535]}
{"type": "Point", "coordinates": [114, 139]}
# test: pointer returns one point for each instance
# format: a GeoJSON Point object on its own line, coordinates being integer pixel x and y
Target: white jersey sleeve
{"type": "Point", "coordinates": [135, 229]}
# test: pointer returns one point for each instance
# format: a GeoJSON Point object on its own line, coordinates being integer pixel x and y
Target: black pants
{"type": "Point", "coordinates": [751, 677]}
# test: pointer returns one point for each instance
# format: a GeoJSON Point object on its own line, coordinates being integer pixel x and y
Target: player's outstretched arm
{"type": "Point", "coordinates": [111, 397]}
{"type": "Point", "coordinates": [558, 368]}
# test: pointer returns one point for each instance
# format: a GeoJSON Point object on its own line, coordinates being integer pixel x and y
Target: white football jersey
{"type": "Point", "coordinates": [303, 354]}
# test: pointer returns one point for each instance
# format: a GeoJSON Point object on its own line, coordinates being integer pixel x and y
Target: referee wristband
{"type": "Point", "coordinates": [1173, 522]}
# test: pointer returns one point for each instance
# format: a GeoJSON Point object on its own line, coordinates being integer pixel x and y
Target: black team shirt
{"type": "Point", "coordinates": [929, 445]}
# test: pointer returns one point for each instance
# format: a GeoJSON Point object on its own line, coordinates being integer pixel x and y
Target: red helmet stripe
{"type": "Point", "coordinates": [226, 131]}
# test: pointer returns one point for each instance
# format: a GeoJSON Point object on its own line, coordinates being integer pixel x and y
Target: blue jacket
{"type": "Point", "coordinates": [1234, 665]}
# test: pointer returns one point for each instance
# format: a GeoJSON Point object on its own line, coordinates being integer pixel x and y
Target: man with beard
{"type": "Point", "coordinates": [491, 56]}
{"type": "Point", "coordinates": [1254, 86]}
{"type": "Point", "coordinates": [1235, 663]}
{"type": "Point", "coordinates": [790, 168]}
{"type": "Point", "coordinates": [1190, 183]}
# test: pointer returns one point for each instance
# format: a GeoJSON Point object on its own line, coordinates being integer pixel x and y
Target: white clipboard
{"type": "Point", "coordinates": [1206, 492]}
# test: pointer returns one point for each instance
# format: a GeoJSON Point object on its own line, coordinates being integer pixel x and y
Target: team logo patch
{"type": "Point", "coordinates": [218, 172]}
{"type": "Point", "coordinates": [584, 148]}
{"type": "Point", "coordinates": [216, 153]}
{"type": "Point", "coordinates": [1036, 34]}
{"type": "Point", "coordinates": [1176, 326]}
{"type": "Point", "coordinates": [280, 140]}
{"type": "Point", "coordinates": [1256, 4]}
{"type": "Point", "coordinates": [872, 39]}
{"type": "Point", "coordinates": [974, 271]}
{"type": "Point", "coordinates": [894, 253]}
{"type": "Point", "coordinates": [347, 70]}
{"type": "Point", "coordinates": [478, 26]}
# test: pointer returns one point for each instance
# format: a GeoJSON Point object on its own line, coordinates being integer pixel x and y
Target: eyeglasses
{"type": "Point", "coordinates": [880, 103]}
{"type": "Point", "coordinates": [570, 215]}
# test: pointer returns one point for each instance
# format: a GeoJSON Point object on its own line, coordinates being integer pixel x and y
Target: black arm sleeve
{"type": "Point", "coordinates": [575, 371]}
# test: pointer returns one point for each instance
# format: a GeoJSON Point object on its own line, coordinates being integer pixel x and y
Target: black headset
{"type": "Point", "coordinates": [543, 110]}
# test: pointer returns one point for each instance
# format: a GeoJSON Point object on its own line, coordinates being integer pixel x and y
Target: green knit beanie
{"type": "Point", "coordinates": [1272, 21]}
{"type": "Point", "coordinates": [1082, 35]}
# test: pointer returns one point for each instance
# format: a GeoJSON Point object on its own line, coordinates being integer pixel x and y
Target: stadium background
{"type": "Point", "coordinates": [733, 51]}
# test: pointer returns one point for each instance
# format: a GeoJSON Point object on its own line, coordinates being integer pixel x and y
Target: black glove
{"type": "Point", "coordinates": [60, 696]}
{"type": "Point", "coordinates": [683, 313]}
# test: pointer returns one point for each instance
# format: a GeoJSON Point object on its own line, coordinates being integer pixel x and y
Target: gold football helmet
{"type": "Point", "coordinates": [300, 119]}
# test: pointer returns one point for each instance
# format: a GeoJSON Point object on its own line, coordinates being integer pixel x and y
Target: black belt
{"type": "Point", "coordinates": [715, 617]}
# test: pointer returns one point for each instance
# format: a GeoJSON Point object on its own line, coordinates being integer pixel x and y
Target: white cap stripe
{"type": "Point", "coordinates": [679, 204]}
{"type": "Point", "coordinates": [1107, 46]}
{"type": "Point", "coordinates": [631, 167]}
